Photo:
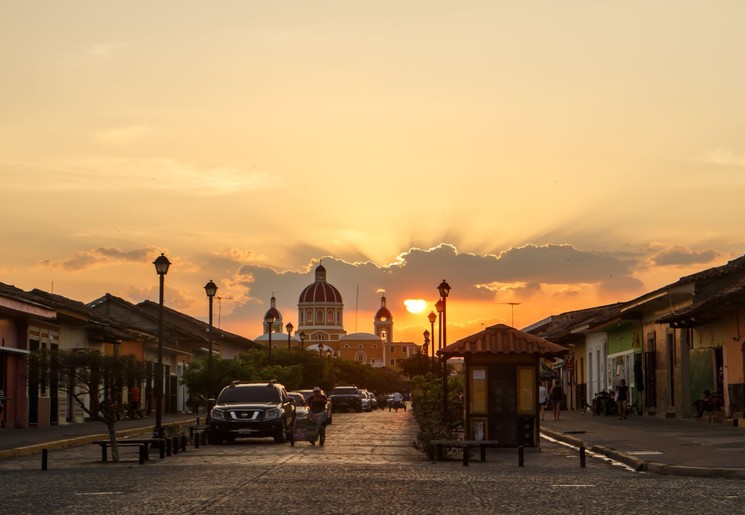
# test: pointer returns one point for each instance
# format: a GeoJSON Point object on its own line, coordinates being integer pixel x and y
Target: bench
{"type": "Point", "coordinates": [143, 443]}
{"type": "Point", "coordinates": [466, 445]}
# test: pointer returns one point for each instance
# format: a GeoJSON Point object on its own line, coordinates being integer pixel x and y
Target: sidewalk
{"type": "Point", "coordinates": [23, 442]}
{"type": "Point", "coordinates": [688, 447]}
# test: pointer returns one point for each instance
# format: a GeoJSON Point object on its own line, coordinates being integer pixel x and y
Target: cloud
{"type": "Point", "coordinates": [682, 256]}
{"type": "Point", "coordinates": [518, 273]}
{"type": "Point", "coordinates": [120, 135]}
{"type": "Point", "coordinates": [106, 174]}
{"type": "Point", "coordinates": [101, 256]}
{"type": "Point", "coordinates": [725, 157]}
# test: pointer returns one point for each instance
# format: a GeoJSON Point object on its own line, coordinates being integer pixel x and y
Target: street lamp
{"type": "Point", "coordinates": [211, 289]}
{"type": "Point", "coordinates": [329, 353]}
{"type": "Point", "coordinates": [303, 336]}
{"type": "Point", "coordinates": [432, 317]}
{"type": "Point", "coordinates": [320, 349]}
{"type": "Point", "coordinates": [269, 319]}
{"type": "Point", "coordinates": [444, 289]}
{"type": "Point", "coordinates": [161, 268]}
{"type": "Point", "coordinates": [289, 332]}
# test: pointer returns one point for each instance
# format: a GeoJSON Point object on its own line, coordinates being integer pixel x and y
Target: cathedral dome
{"type": "Point", "coordinates": [320, 291]}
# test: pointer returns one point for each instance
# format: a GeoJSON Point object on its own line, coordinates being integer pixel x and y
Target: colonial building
{"type": "Point", "coordinates": [321, 328]}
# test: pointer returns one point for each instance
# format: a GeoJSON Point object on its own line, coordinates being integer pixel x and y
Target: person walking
{"type": "Point", "coordinates": [622, 399]}
{"type": "Point", "coordinates": [542, 399]}
{"type": "Point", "coordinates": [557, 396]}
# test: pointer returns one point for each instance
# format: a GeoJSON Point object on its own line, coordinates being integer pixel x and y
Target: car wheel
{"type": "Point", "coordinates": [281, 436]}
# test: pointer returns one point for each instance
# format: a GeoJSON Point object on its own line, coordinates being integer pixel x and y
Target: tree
{"type": "Point", "coordinates": [415, 365]}
{"type": "Point", "coordinates": [95, 382]}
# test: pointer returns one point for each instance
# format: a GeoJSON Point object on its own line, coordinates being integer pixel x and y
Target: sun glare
{"type": "Point", "coordinates": [415, 305]}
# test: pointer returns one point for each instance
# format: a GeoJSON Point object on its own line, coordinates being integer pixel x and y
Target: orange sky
{"type": "Point", "coordinates": [557, 155]}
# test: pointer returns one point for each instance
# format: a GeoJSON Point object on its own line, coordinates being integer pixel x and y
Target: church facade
{"type": "Point", "coordinates": [321, 328]}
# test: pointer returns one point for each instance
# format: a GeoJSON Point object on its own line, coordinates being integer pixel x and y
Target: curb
{"type": "Point", "coordinates": [30, 450]}
{"type": "Point", "coordinates": [640, 465]}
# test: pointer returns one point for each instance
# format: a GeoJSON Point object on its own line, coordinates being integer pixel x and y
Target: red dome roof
{"type": "Point", "coordinates": [383, 314]}
{"type": "Point", "coordinates": [320, 290]}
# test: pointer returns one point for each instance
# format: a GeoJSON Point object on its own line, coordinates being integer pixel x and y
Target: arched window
{"type": "Point", "coordinates": [330, 317]}
{"type": "Point", "coordinates": [360, 357]}
{"type": "Point", "coordinates": [319, 317]}
{"type": "Point", "coordinates": [309, 317]}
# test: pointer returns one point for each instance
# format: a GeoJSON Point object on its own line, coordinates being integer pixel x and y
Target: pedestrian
{"type": "Point", "coordinates": [134, 398]}
{"type": "Point", "coordinates": [397, 401]}
{"type": "Point", "coordinates": [556, 394]}
{"type": "Point", "coordinates": [622, 399]}
{"type": "Point", "coordinates": [542, 399]}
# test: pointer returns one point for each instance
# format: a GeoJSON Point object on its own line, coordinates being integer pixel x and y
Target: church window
{"type": "Point", "coordinates": [360, 357]}
{"type": "Point", "coordinates": [319, 317]}
{"type": "Point", "coordinates": [393, 349]}
{"type": "Point", "coordinates": [330, 317]}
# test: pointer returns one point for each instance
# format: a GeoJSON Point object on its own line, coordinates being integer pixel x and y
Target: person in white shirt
{"type": "Point", "coordinates": [542, 399]}
{"type": "Point", "coordinates": [398, 401]}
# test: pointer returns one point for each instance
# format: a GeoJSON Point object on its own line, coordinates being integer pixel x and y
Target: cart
{"type": "Point", "coordinates": [310, 429]}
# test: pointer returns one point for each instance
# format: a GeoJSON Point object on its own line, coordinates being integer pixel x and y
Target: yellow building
{"type": "Point", "coordinates": [321, 328]}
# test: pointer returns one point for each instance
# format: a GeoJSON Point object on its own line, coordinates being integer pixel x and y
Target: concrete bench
{"type": "Point", "coordinates": [466, 445]}
{"type": "Point", "coordinates": [143, 443]}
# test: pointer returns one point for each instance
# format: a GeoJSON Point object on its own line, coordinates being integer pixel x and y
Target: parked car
{"type": "Point", "coordinates": [252, 410]}
{"type": "Point", "coordinates": [373, 401]}
{"type": "Point", "coordinates": [301, 408]}
{"type": "Point", "coordinates": [346, 397]}
{"type": "Point", "coordinates": [366, 400]}
{"type": "Point", "coordinates": [329, 404]}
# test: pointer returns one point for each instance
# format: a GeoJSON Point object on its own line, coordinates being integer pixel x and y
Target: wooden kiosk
{"type": "Point", "coordinates": [501, 388]}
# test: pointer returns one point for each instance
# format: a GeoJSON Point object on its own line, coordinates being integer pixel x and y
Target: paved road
{"type": "Point", "coordinates": [367, 466]}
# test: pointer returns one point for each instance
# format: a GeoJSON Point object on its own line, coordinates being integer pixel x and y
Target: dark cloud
{"type": "Point", "coordinates": [514, 273]}
{"type": "Point", "coordinates": [682, 256]}
{"type": "Point", "coordinates": [103, 255]}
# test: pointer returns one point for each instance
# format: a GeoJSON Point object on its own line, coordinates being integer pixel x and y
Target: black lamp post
{"type": "Point", "coordinates": [329, 353]}
{"type": "Point", "coordinates": [425, 349]}
{"type": "Point", "coordinates": [432, 317]}
{"type": "Point", "coordinates": [161, 268]}
{"type": "Point", "coordinates": [270, 322]}
{"type": "Point", "coordinates": [320, 349]}
{"type": "Point", "coordinates": [302, 340]}
{"type": "Point", "coordinates": [289, 332]}
{"type": "Point", "coordinates": [211, 289]}
{"type": "Point", "coordinates": [444, 289]}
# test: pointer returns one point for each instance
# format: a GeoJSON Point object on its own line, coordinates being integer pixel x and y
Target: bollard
{"type": "Point", "coordinates": [168, 446]}
{"type": "Point", "coordinates": [162, 447]}
{"type": "Point", "coordinates": [582, 456]}
{"type": "Point", "coordinates": [196, 441]}
{"type": "Point", "coordinates": [183, 443]}
{"type": "Point", "coordinates": [143, 452]}
{"type": "Point", "coordinates": [204, 438]}
{"type": "Point", "coordinates": [520, 456]}
{"type": "Point", "coordinates": [197, 421]}
{"type": "Point", "coordinates": [44, 458]}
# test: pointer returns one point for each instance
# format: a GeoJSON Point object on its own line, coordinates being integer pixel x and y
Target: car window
{"type": "Point", "coordinates": [344, 391]}
{"type": "Point", "coordinates": [249, 394]}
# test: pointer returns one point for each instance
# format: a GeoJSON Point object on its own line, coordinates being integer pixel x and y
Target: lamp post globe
{"type": "Point", "coordinates": [289, 328]}
{"type": "Point", "coordinates": [161, 268]}
{"type": "Point", "coordinates": [303, 336]}
{"type": "Point", "coordinates": [211, 290]}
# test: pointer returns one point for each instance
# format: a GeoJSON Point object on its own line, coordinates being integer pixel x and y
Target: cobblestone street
{"type": "Point", "coordinates": [367, 466]}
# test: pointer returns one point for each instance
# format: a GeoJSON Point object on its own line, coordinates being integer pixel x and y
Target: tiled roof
{"type": "Point", "coordinates": [503, 339]}
{"type": "Point", "coordinates": [707, 308]}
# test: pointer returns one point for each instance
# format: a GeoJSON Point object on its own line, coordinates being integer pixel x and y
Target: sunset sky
{"type": "Point", "coordinates": [558, 155]}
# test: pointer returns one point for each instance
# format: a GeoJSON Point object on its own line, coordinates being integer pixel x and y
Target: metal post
{"type": "Point", "coordinates": [582, 456]}
{"type": "Point", "coordinates": [159, 368]}
{"type": "Point", "coordinates": [520, 456]}
{"type": "Point", "coordinates": [44, 458]}
{"type": "Point", "coordinates": [209, 358]}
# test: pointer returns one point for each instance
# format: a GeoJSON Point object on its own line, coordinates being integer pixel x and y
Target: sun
{"type": "Point", "coordinates": [415, 305]}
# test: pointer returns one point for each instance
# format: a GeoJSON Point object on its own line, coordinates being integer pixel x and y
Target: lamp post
{"type": "Point", "coordinates": [270, 322]}
{"type": "Point", "coordinates": [432, 317]}
{"type": "Point", "coordinates": [320, 349]}
{"type": "Point", "coordinates": [161, 268]}
{"type": "Point", "coordinates": [289, 332]}
{"type": "Point", "coordinates": [329, 353]}
{"type": "Point", "coordinates": [302, 340]}
{"type": "Point", "coordinates": [425, 349]}
{"type": "Point", "coordinates": [211, 289]}
{"type": "Point", "coordinates": [444, 289]}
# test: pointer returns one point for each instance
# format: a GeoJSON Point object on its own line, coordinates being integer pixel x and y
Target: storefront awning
{"type": "Point", "coordinates": [503, 339]}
